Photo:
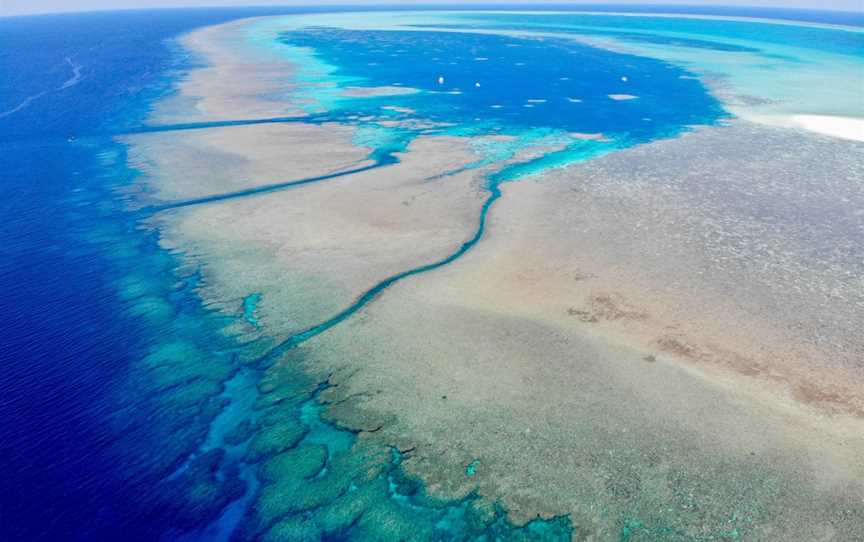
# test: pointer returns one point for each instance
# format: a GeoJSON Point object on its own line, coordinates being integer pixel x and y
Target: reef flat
{"type": "Point", "coordinates": [228, 82]}
{"type": "Point", "coordinates": [604, 326]}
{"type": "Point", "coordinates": [590, 369]}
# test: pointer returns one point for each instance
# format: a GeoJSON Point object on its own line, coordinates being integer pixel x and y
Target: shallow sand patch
{"type": "Point", "coordinates": [588, 136]}
{"type": "Point", "coordinates": [369, 92]}
{"type": "Point", "coordinates": [842, 127]}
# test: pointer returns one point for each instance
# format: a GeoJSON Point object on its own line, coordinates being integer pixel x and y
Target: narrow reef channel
{"type": "Point", "coordinates": [307, 478]}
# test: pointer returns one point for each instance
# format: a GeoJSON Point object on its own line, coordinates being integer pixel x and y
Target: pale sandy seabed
{"type": "Point", "coordinates": [671, 330]}
{"type": "Point", "coordinates": [378, 91]}
{"type": "Point", "coordinates": [843, 127]}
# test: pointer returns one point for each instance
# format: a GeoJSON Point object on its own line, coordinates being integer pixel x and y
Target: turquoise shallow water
{"type": "Point", "coordinates": [135, 412]}
{"type": "Point", "coordinates": [718, 35]}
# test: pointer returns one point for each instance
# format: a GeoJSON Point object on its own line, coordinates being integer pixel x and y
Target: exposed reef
{"type": "Point", "coordinates": [634, 347]}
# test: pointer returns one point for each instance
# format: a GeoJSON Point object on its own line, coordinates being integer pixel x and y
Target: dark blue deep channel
{"type": "Point", "coordinates": [114, 375]}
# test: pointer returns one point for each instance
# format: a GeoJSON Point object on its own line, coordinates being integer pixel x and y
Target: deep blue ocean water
{"type": "Point", "coordinates": [91, 443]}
{"type": "Point", "coordinates": [80, 444]}
{"type": "Point", "coordinates": [512, 83]}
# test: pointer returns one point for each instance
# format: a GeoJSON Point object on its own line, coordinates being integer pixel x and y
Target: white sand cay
{"type": "Point", "coordinates": [623, 97]}
{"type": "Point", "coordinates": [849, 128]}
{"type": "Point", "coordinates": [842, 127]}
